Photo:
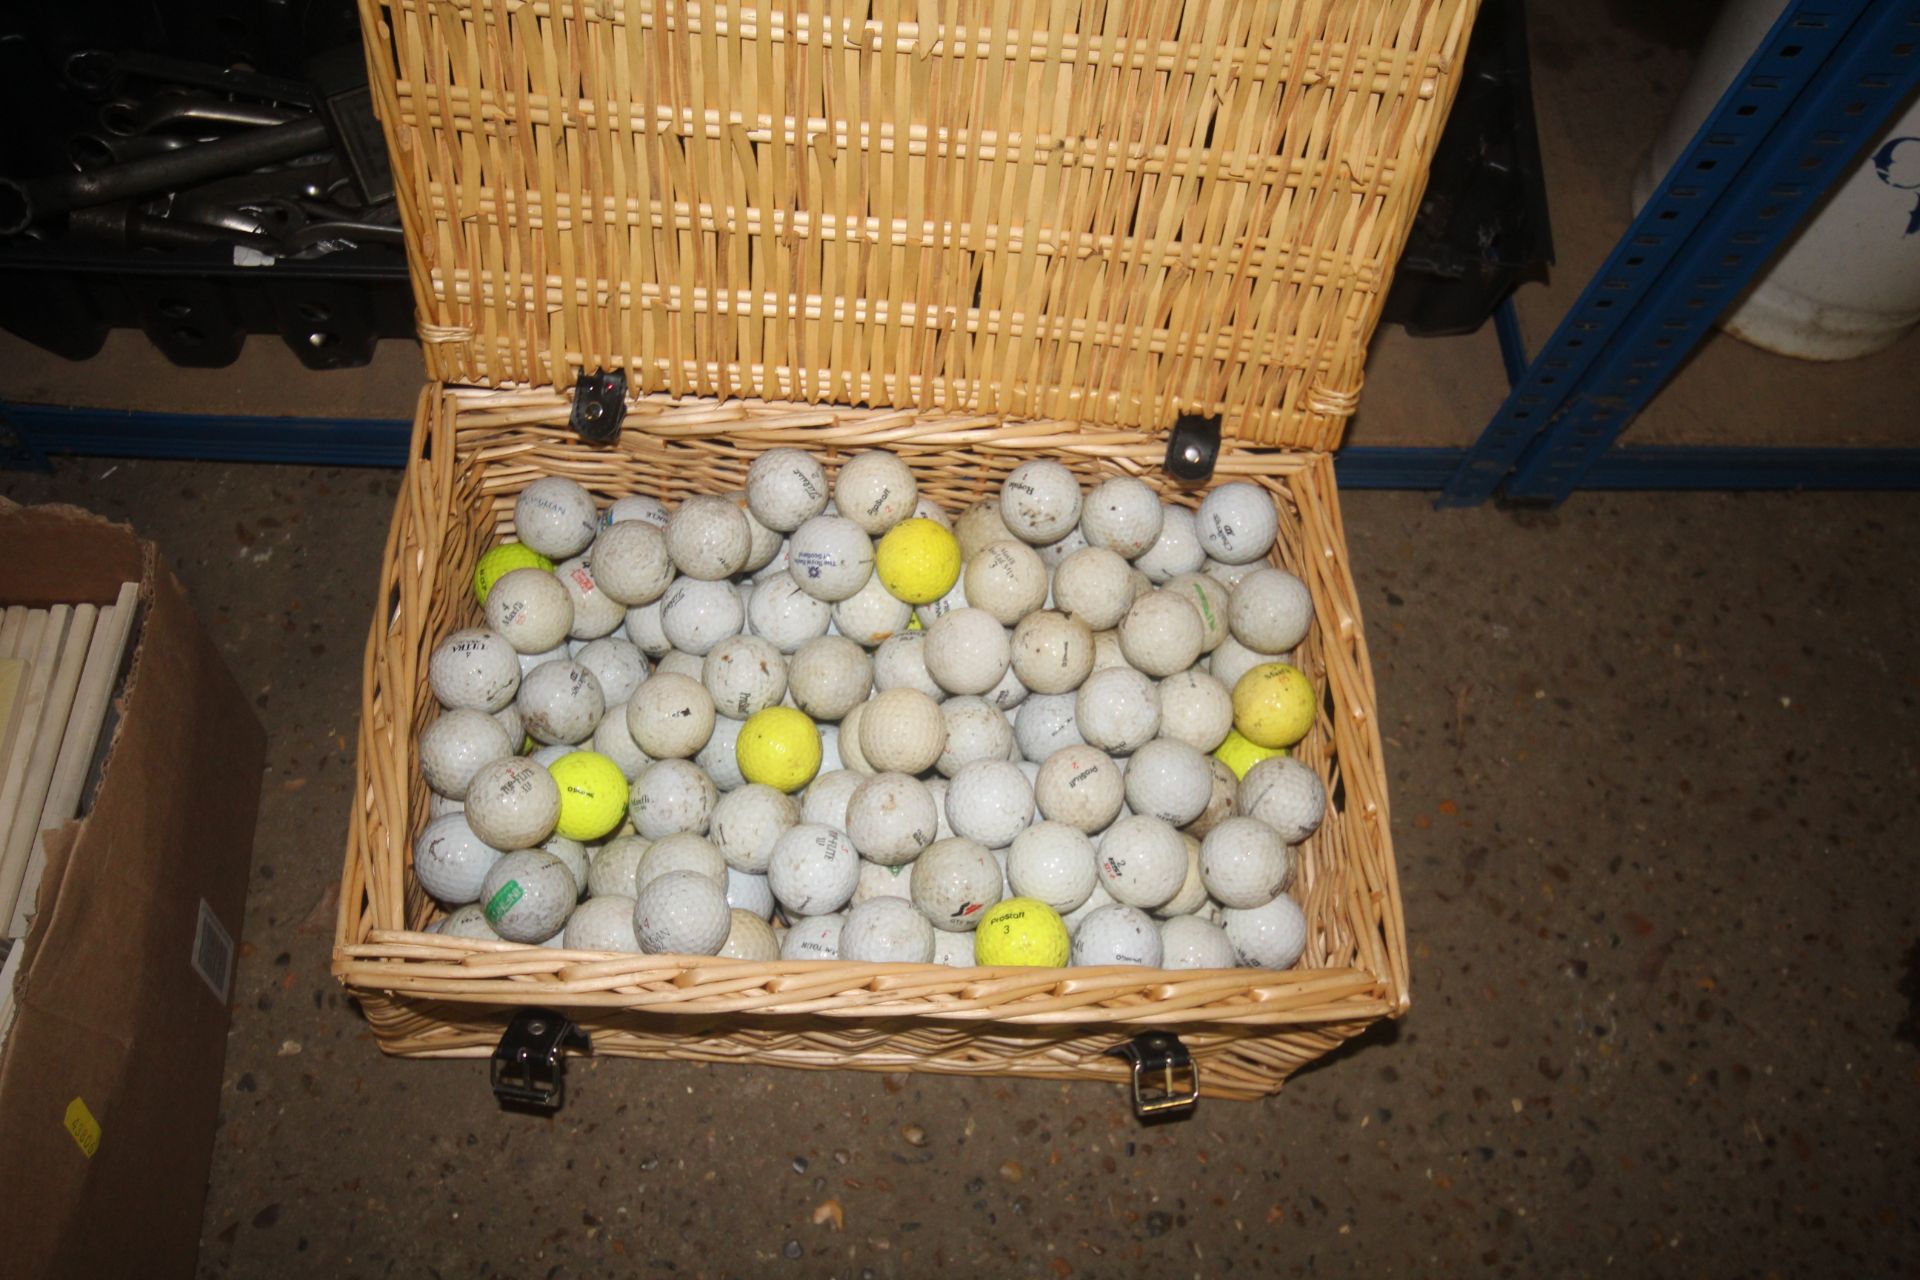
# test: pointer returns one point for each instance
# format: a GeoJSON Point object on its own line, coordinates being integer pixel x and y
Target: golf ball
{"type": "Point", "coordinates": [1238, 523]}
{"type": "Point", "coordinates": [891, 818]}
{"type": "Point", "coordinates": [450, 861]}
{"type": "Point", "coordinates": [876, 491]}
{"type": "Point", "coordinates": [748, 821]}
{"type": "Point", "coordinates": [886, 931]}
{"type": "Point", "coordinates": [785, 489]}
{"type": "Point", "coordinates": [1142, 861]}
{"type": "Point", "coordinates": [1286, 795]}
{"type": "Point", "coordinates": [527, 895]}
{"type": "Point", "coordinates": [555, 517]}
{"type": "Point", "coordinates": [708, 538]}
{"type": "Point", "coordinates": [456, 745]}
{"type": "Point", "coordinates": [560, 702]}
{"type": "Point", "coordinates": [1092, 585]}
{"type": "Point", "coordinates": [1244, 863]}
{"type": "Point", "coordinates": [813, 869]}
{"type": "Point", "coordinates": [1053, 863]}
{"type": "Point", "coordinates": [474, 669]}
{"type": "Point", "coordinates": [1123, 515]}
{"type": "Point", "coordinates": [967, 651]}
{"type": "Point", "coordinates": [1273, 936]}
{"type": "Point", "coordinates": [954, 882]}
{"type": "Point", "coordinates": [682, 913]}
{"type": "Point", "coordinates": [1040, 502]}
{"type": "Point", "coordinates": [1117, 934]}
{"type": "Point", "coordinates": [672, 795]}
{"type": "Point", "coordinates": [531, 609]}
{"type": "Point", "coordinates": [670, 716]}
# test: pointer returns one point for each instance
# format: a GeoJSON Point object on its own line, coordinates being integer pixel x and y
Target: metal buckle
{"type": "Point", "coordinates": [1166, 1083]}
{"type": "Point", "coordinates": [599, 405]}
{"type": "Point", "coordinates": [1193, 446]}
{"type": "Point", "coordinates": [528, 1069]}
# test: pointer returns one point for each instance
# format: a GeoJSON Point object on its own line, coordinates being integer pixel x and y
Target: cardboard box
{"type": "Point", "coordinates": [110, 1074]}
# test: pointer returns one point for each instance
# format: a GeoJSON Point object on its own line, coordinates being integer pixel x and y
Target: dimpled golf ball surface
{"type": "Point", "coordinates": [827, 797]}
{"type": "Point", "coordinates": [876, 491]}
{"type": "Point", "coordinates": [746, 823]}
{"type": "Point", "coordinates": [450, 861]}
{"type": "Point", "coordinates": [555, 517]}
{"type": "Point", "coordinates": [455, 746]}
{"type": "Point", "coordinates": [918, 561]}
{"type": "Point", "coordinates": [744, 674]}
{"type": "Point", "coordinates": [637, 506]}
{"type": "Point", "coordinates": [954, 882]}
{"type": "Point", "coordinates": [830, 558]}
{"type": "Point", "coordinates": [1045, 724]}
{"type": "Point", "coordinates": [1053, 863]}
{"type": "Point", "coordinates": [891, 818]}
{"type": "Point", "coordinates": [614, 867]}
{"type": "Point", "coordinates": [631, 563]}
{"type": "Point", "coordinates": [528, 895]}
{"type": "Point", "coordinates": [901, 731]}
{"type": "Point", "coordinates": [1040, 502]}
{"type": "Point", "coordinates": [1286, 795]}
{"type": "Point", "coordinates": [1123, 515]}
{"type": "Point", "coordinates": [595, 613]}
{"type": "Point", "coordinates": [1188, 942]}
{"type": "Point", "coordinates": [1168, 780]}
{"type": "Point", "coordinates": [502, 560]}
{"type": "Point", "coordinates": [990, 801]}
{"type": "Point", "coordinates": [512, 803]}
{"type": "Point", "coordinates": [1195, 709]}
{"type": "Point", "coordinates": [967, 651]}
{"type": "Point", "coordinates": [531, 609]}
{"type": "Point", "coordinates": [1211, 600]}
{"type": "Point", "coordinates": [813, 938]}
{"type": "Point", "coordinates": [1237, 523]}
{"type": "Point", "coordinates": [593, 795]}
{"type": "Point", "coordinates": [1240, 755]}
{"type": "Point", "coordinates": [780, 748]}
{"type": "Point", "coordinates": [749, 892]}
{"type": "Point", "coordinates": [1191, 896]}
{"type": "Point", "coordinates": [1273, 936]}
{"type": "Point", "coordinates": [602, 924]}
{"type": "Point", "coordinates": [1080, 786]}
{"type": "Point", "coordinates": [1273, 705]}
{"type": "Point", "coordinates": [1022, 931]}
{"type": "Point", "coordinates": [719, 759]}
{"type": "Point", "coordinates": [877, 881]}
{"type": "Point", "coordinates": [785, 489]}
{"type": "Point", "coordinates": [1091, 584]}
{"type": "Point", "coordinates": [1117, 934]}
{"type": "Point", "coordinates": [976, 730]}
{"type": "Point", "coordinates": [1161, 634]}
{"type": "Point", "coordinates": [780, 612]}
{"type": "Point", "coordinates": [670, 716]}
{"type": "Point", "coordinates": [696, 614]}
{"type": "Point", "coordinates": [560, 702]}
{"type": "Point", "coordinates": [1008, 580]}
{"type": "Point", "coordinates": [871, 614]}
{"type": "Point", "coordinates": [672, 795]}
{"type": "Point", "coordinates": [887, 931]}
{"type": "Point", "coordinates": [814, 869]}
{"type": "Point", "coordinates": [749, 938]}
{"type": "Point", "coordinates": [474, 669]}
{"type": "Point", "coordinates": [1142, 861]}
{"type": "Point", "coordinates": [708, 538]}
{"type": "Point", "coordinates": [830, 676]}
{"type": "Point", "coordinates": [1244, 863]}
{"type": "Point", "coordinates": [1117, 709]}
{"type": "Point", "coordinates": [617, 665]}
{"type": "Point", "coordinates": [1052, 651]}
{"type": "Point", "coordinates": [1176, 551]}
{"type": "Point", "coordinates": [682, 913]}
{"type": "Point", "coordinates": [1271, 611]}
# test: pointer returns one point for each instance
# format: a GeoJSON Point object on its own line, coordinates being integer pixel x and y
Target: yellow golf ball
{"type": "Point", "coordinates": [918, 561]}
{"type": "Point", "coordinates": [780, 748]}
{"type": "Point", "coordinates": [1273, 705]}
{"type": "Point", "coordinates": [1240, 755]}
{"type": "Point", "coordinates": [1022, 931]}
{"type": "Point", "coordinates": [502, 560]}
{"type": "Point", "coordinates": [593, 794]}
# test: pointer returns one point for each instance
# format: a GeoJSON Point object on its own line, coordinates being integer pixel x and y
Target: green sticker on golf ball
{"type": "Point", "coordinates": [502, 901]}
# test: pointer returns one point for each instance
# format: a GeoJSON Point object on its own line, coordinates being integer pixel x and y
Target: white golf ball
{"type": "Point", "coordinates": [1052, 651]}
{"type": "Point", "coordinates": [887, 931]}
{"type": "Point", "coordinates": [851, 756]}
{"type": "Point", "coordinates": [475, 669]}
{"type": "Point", "coordinates": [617, 665]}
{"type": "Point", "coordinates": [1143, 861]}
{"type": "Point", "coordinates": [976, 730]}
{"type": "Point", "coordinates": [1211, 599]}
{"type": "Point", "coordinates": [901, 731]}
{"type": "Point", "coordinates": [1097, 899]}
{"type": "Point", "coordinates": [781, 612]}
{"type": "Point", "coordinates": [785, 489]}
{"type": "Point", "coordinates": [979, 527]}
{"type": "Point", "coordinates": [602, 924]}
{"type": "Point", "coordinates": [510, 720]}
{"type": "Point", "coordinates": [681, 851]}
{"type": "Point", "coordinates": [956, 598]}
{"type": "Point", "coordinates": [1195, 709]}
{"type": "Point", "coordinates": [1092, 585]}
{"type": "Point", "coordinates": [696, 614]}
{"type": "Point", "coordinates": [744, 674]}
{"type": "Point", "coordinates": [830, 676]}
{"type": "Point", "coordinates": [512, 803]}
{"type": "Point", "coordinates": [615, 869]}
{"type": "Point", "coordinates": [1054, 863]}
{"type": "Point", "coordinates": [1286, 795]}
{"type": "Point", "coordinates": [1117, 934]}
{"type": "Point", "coordinates": [1008, 693]}
{"type": "Point", "coordinates": [813, 938]}
{"type": "Point", "coordinates": [871, 614]}
{"type": "Point", "coordinates": [1008, 580]}
{"type": "Point", "coordinates": [876, 491]}
{"type": "Point", "coordinates": [1054, 554]}
{"type": "Point", "coordinates": [1232, 660]}
{"type": "Point", "coordinates": [880, 881]}
{"type": "Point", "coordinates": [555, 517]}
{"type": "Point", "coordinates": [547, 755]}
{"type": "Point", "coordinates": [630, 562]}
{"type": "Point", "coordinates": [637, 506]}
{"type": "Point", "coordinates": [901, 663]}
{"type": "Point", "coordinates": [469, 921]}
{"type": "Point", "coordinates": [891, 818]}
{"type": "Point", "coordinates": [1169, 780]}
{"type": "Point", "coordinates": [1080, 786]}
{"type": "Point", "coordinates": [748, 821]}
{"type": "Point", "coordinates": [1191, 896]}
{"type": "Point", "coordinates": [1116, 709]}
{"type": "Point", "coordinates": [954, 882]}
{"type": "Point", "coordinates": [528, 895]}
{"type": "Point", "coordinates": [1229, 575]}
{"type": "Point", "coordinates": [1161, 634]}
{"type": "Point", "coordinates": [1123, 515]}
{"type": "Point", "coordinates": [813, 869]}
{"type": "Point", "coordinates": [955, 950]}
{"type": "Point", "coordinates": [682, 913]}
{"type": "Point", "coordinates": [1044, 724]}
{"type": "Point", "coordinates": [595, 613]}
{"type": "Point", "coordinates": [1272, 936]}
{"type": "Point", "coordinates": [749, 892]}
{"type": "Point", "coordinates": [708, 538]}
{"type": "Point", "coordinates": [990, 801]}
{"type": "Point", "coordinates": [450, 861]}
{"type": "Point", "coordinates": [1040, 502]}
{"type": "Point", "coordinates": [644, 631]}
{"type": "Point", "coordinates": [560, 702]}
{"type": "Point", "coordinates": [672, 795]}
{"type": "Point", "coordinates": [826, 797]}
{"type": "Point", "coordinates": [1107, 652]}
{"type": "Point", "coordinates": [670, 716]}
{"type": "Point", "coordinates": [1221, 805]}
{"type": "Point", "coordinates": [1189, 942]}
{"type": "Point", "coordinates": [456, 745]}
{"type": "Point", "coordinates": [749, 938]}
{"type": "Point", "coordinates": [531, 609]}
{"type": "Point", "coordinates": [967, 651]}
{"type": "Point", "coordinates": [1272, 611]}
{"type": "Point", "coordinates": [1245, 864]}
{"type": "Point", "coordinates": [674, 662]}
{"type": "Point", "coordinates": [1238, 523]}
{"type": "Point", "coordinates": [573, 855]}
{"type": "Point", "coordinates": [719, 759]}
{"type": "Point", "coordinates": [830, 558]}
{"type": "Point", "coordinates": [763, 543]}
{"type": "Point", "coordinates": [1176, 551]}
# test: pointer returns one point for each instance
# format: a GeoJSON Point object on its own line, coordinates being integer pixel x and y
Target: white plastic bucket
{"type": "Point", "coordinates": [1848, 283]}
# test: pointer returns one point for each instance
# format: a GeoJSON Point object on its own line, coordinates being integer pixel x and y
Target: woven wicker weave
{"type": "Point", "coordinates": [1087, 212]}
{"type": "Point", "coordinates": [428, 995]}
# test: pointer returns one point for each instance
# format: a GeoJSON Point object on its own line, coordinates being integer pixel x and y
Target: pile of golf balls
{"type": "Point", "coordinates": [831, 721]}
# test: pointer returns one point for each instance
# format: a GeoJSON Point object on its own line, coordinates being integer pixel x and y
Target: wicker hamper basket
{"type": "Point", "coordinates": [1087, 218]}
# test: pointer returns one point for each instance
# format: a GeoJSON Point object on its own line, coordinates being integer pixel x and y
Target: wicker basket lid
{"type": "Point", "coordinates": [1111, 214]}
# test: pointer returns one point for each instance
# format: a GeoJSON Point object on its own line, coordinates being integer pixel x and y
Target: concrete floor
{"type": "Point", "coordinates": [1652, 759]}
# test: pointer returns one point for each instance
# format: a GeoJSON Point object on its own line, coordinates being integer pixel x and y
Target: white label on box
{"type": "Point", "coordinates": [213, 952]}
